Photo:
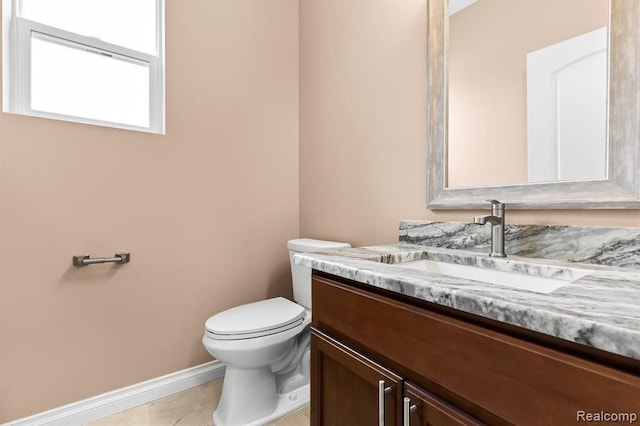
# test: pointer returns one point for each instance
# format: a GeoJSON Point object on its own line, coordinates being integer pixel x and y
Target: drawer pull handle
{"type": "Point", "coordinates": [382, 391]}
{"type": "Point", "coordinates": [407, 409]}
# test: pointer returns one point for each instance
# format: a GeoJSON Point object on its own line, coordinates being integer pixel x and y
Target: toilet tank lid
{"type": "Point", "coordinates": [265, 315]}
{"type": "Point", "coordinates": [308, 244]}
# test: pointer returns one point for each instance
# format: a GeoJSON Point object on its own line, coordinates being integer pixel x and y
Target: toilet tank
{"type": "Point", "coordinates": [301, 275]}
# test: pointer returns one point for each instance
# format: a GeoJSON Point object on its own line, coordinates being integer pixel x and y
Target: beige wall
{"type": "Point", "coordinates": [362, 122]}
{"type": "Point", "coordinates": [192, 206]}
{"type": "Point", "coordinates": [362, 125]}
{"type": "Point", "coordinates": [488, 46]}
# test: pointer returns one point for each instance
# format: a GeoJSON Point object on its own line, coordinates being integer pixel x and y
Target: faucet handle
{"type": "Point", "coordinates": [495, 203]}
{"type": "Point", "coordinates": [497, 209]}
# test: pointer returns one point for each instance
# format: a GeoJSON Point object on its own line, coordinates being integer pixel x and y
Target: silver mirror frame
{"type": "Point", "coordinates": [621, 188]}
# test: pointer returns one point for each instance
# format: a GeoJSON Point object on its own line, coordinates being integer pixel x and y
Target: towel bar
{"type": "Point", "coordinates": [85, 259]}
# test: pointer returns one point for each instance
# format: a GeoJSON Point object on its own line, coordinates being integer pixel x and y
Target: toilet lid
{"type": "Point", "coordinates": [256, 319]}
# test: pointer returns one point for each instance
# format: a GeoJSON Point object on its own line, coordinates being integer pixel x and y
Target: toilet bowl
{"type": "Point", "coordinates": [265, 346]}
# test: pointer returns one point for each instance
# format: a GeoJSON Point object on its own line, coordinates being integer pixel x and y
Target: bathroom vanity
{"type": "Point", "coordinates": [395, 345]}
{"type": "Point", "coordinates": [455, 369]}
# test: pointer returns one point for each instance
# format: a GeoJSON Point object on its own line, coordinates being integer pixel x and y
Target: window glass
{"type": "Point", "coordinates": [128, 23]}
{"type": "Point", "coordinates": [73, 80]}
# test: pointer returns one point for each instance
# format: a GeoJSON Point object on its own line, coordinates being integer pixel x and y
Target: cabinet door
{"type": "Point", "coordinates": [349, 389]}
{"type": "Point", "coordinates": [426, 409]}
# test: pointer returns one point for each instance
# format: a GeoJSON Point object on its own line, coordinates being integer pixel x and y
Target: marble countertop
{"type": "Point", "coordinates": [601, 309]}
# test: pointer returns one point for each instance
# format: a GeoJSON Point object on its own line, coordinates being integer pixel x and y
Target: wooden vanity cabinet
{"type": "Point", "coordinates": [453, 371]}
{"type": "Point", "coordinates": [348, 388]}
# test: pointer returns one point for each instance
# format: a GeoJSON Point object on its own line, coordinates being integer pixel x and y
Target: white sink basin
{"type": "Point", "coordinates": [516, 280]}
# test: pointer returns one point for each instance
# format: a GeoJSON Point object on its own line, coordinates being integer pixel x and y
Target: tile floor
{"type": "Point", "coordinates": [192, 407]}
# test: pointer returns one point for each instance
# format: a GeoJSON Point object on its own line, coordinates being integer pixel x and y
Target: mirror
{"type": "Point", "coordinates": [537, 96]}
{"type": "Point", "coordinates": [466, 164]}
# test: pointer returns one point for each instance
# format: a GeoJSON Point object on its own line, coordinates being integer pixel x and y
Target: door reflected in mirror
{"type": "Point", "coordinates": [528, 91]}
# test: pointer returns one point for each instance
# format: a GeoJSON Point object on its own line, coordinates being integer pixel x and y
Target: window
{"type": "Point", "coordinates": [97, 62]}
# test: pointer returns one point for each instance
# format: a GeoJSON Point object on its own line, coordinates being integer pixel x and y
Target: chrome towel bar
{"type": "Point", "coordinates": [85, 260]}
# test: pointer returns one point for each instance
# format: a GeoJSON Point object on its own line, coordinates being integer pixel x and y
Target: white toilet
{"type": "Point", "coordinates": [265, 346]}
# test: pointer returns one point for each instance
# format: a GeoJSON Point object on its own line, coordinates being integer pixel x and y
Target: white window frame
{"type": "Point", "coordinates": [17, 33]}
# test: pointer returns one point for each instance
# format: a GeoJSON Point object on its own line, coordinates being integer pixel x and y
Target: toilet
{"type": "Point", "coordinates": [265, 346]}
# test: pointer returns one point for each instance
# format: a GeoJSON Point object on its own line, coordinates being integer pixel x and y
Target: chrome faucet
{"type": "Point", "coordinates": [497, 227]}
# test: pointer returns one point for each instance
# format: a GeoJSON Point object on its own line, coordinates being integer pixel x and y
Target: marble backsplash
{"type": "Point", "coordinates": [618, 247]}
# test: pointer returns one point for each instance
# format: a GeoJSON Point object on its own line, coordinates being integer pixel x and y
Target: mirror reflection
{"type": "Point", "coordinates": [527, 92]}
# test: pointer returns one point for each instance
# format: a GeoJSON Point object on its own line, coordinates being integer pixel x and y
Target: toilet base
{"type": "Point", "coordinates": [239, 409]}
{"type": "Point", "coordinates": [287, 403]}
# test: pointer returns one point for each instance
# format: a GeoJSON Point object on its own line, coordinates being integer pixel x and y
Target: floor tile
{"type": "Point", "coordinates": [297, 418]}
{"type": "Point", "coordinates": [306, 410]}
{"type": "Point", "coordinates": [192, 407]}
{"type": "Point", "coordinates": [134, 417]}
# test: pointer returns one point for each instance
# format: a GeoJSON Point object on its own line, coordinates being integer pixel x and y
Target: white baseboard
{"type": "Point", "coordinates": [109, 403]}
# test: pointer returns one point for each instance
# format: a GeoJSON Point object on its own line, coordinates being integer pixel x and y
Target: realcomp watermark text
{"type": "Point", "coordinates": [604, 416]}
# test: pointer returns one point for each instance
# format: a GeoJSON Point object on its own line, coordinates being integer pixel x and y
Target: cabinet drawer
{"type": "Point", "coordinates": [518, 381]}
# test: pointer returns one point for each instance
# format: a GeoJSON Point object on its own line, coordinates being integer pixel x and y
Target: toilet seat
{"type": "Point", "coordinates": [254, 320]}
